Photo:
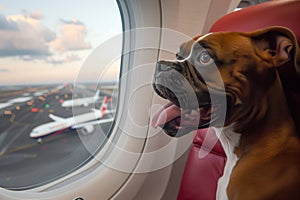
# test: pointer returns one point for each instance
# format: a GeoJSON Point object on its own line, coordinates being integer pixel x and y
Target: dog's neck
{"type": "Point", "coordinates": [276, 122]}
{"type": "Point", "coordinates": [265, 137]}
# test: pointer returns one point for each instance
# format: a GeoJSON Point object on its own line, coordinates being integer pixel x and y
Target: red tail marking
{"type": "Point", "coordinates": [104, 105]}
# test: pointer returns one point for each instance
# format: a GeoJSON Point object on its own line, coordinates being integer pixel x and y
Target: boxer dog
{"type": "Point", "coordinates": [258, 132]}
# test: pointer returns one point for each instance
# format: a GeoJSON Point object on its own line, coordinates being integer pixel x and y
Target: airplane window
{"type": "Point", "coordinates": [56, 92]}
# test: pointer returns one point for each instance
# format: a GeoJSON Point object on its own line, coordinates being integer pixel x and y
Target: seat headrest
{"type": "Point", "coordinates": [272, 13]}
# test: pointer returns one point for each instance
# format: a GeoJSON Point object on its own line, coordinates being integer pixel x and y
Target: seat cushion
{"type": "Point", "coordinates": [204, 167]}
{"type": "Point", "coordinates": [273, 13]}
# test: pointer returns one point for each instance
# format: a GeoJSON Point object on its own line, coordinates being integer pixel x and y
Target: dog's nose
{"type": "Point", "coordinates": [162, 66]}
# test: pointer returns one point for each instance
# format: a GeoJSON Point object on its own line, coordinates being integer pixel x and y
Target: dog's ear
{"type": "Point", "coordinates": [279, 44]}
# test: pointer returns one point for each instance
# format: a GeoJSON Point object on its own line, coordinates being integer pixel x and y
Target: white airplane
{"type": "Point", "coordinates": [84, 122]}
{"type": "Point", "coordinates": [13, 101]}
{"type": "Point", "coordinates": [4, 105]}
{"type": "Point", "coordinates": [19, 100]}
{"type": "Point", "coordinates": [81, 101]}
{"type": "Point", "coordinates": [40, 93]}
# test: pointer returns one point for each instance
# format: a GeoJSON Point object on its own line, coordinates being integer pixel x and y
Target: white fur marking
{"type": "Point", "coordinates": [229, 141]}
{"type": "Point", "coordinates": [190, 55]}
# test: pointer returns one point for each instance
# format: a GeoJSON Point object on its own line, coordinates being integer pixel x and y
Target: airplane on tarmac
{"type": "Point", "coordinates": [81, 101]}
{"type": "Point", "coordinates": [4, 105]}
{"type": "Point", "coordinates": [13, 101]}
{"type": "Point", "coordinates": [20, 100]}
{"type": "Point", "coordinates": [84, 122]}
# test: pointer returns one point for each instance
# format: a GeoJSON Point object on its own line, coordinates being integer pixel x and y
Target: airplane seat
{"type": "Point", "coordinates": [199, 180]}
{"type": "Point", "coordinates": [202, 172]}
{"type": "Point", "coordinates": [274, 13]}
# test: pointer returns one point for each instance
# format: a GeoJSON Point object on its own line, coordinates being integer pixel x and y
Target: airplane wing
{"type": "Point", "coordinates": [56, 118]}
{"type": "Point", "coordinates": [101, 121]}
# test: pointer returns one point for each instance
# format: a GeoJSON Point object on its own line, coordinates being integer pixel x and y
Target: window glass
{"type": "Point", "coordinates": [47, 108]}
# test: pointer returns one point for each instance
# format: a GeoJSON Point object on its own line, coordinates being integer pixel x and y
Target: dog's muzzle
{"type": "Point", "coordinates": [183, 114]}
{"type": "Point", "coordinates": [171, 83]}
{"type": "Point", "coordinates": [165, 79]}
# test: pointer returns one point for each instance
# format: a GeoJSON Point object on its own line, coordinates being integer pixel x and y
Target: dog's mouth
{"type": "Point", "coordinates": [192, 105]}
{"type": "Point", "coordinates": [183, 115]}
{"type": "Point", "coordinates": [176, 121]}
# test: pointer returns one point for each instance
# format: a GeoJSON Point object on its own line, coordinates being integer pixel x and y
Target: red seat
{"type": "Point", "coordinates": [202, 173]}
{"type": "Point", "coordinates": [274, 13]}
{"type": "Point", "coordinates": [199, 181]}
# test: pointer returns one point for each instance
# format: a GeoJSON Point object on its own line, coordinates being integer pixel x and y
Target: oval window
{"type": "Point", "coordinates": [45, 110]}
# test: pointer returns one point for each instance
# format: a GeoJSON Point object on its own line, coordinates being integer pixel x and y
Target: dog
{"type": "Point", "coordinates": [230, 81]}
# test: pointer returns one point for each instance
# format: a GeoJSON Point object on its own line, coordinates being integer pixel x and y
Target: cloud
{"type": "Point", "coordinates": [36, 15]}
{"type": "Point", "coordinates": [24, 36]}
{"type": "Point", "coordinates": [67, 59]}
{"type": "Point", "coordinates": [74, 22]}
{"type": "Point", "coordinates": [6, 24]}
{"type": "Point", "coordinates": [72, 58]}
{"type": "Point", "coordinates": [72, 37]}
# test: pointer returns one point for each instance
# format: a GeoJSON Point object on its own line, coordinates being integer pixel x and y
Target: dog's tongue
{"type": "Point", "coordinates": [186, 117]}
{"type": "Point", "coordinates": [166, 114]}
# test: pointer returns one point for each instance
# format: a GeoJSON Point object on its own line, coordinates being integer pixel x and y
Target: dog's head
{"type": "Point", "coordinates": [219, 79]}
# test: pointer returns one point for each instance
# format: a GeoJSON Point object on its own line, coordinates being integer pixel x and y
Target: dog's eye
{"type": "Point", "coordinates": [204, 58]}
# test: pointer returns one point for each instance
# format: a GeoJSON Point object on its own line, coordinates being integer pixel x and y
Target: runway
{"type": "Point", "coordinates": [24, 162]}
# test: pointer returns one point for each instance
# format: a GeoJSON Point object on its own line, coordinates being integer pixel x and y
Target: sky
{"type": "Point", "coordinates": [49, 41]}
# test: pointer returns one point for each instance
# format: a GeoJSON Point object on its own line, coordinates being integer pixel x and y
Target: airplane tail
{"type": "Point", "coordinates": [103, 107]}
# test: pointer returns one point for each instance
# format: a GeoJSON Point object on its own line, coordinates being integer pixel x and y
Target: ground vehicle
{"type": "Point", "coordinates": [108, 180]}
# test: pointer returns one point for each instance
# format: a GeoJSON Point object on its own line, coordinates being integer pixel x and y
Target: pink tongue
{"type": "Point", "coordinates": [166, 114]}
